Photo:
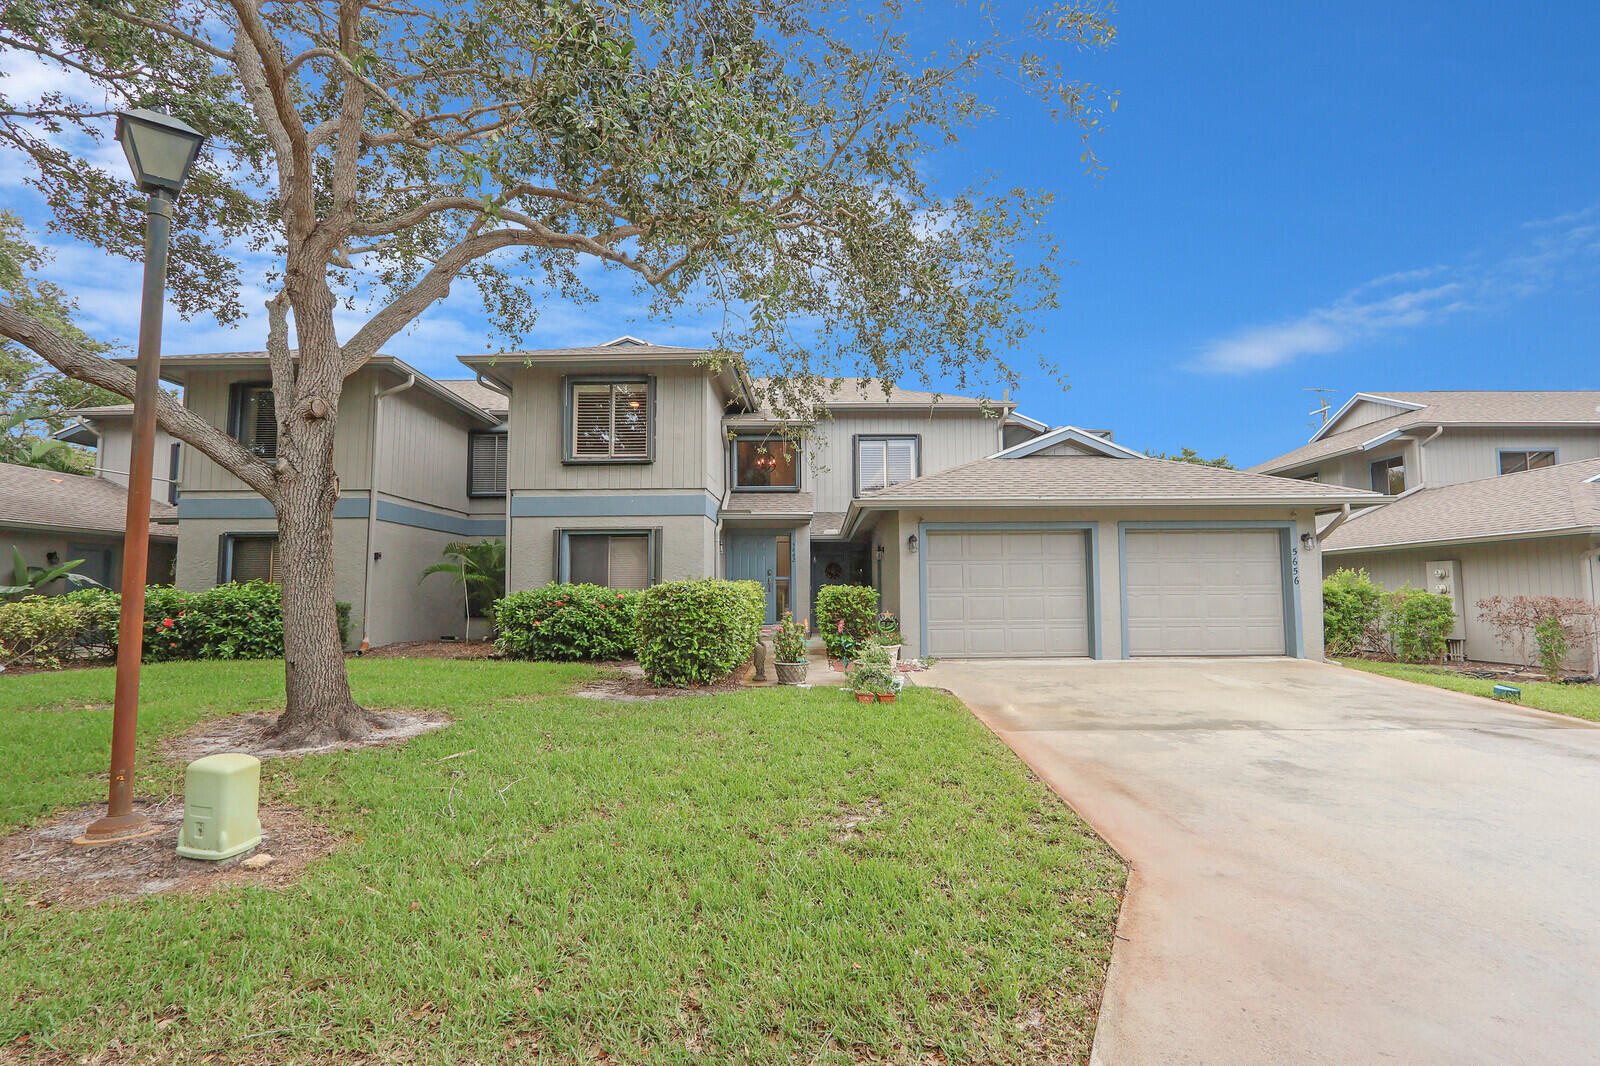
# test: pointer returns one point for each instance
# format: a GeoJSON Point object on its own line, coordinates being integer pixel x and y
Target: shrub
{"type": "Point", "coordinates": [102, 609]}
{"type": "Point", "coordinates": [846, 614]}
{"type": "Point", "coordinates": [1553, 646]}
{"type": "Point", "coordinates": [39, 629]}
{"type": "Point", "coordinates": [1417, 623]}
{"type": "Point", "coordinates": [1350, 611]}
{"type": "Point", "coordinates": [697, 632]}
{"type": "Point", "coordinates": [789, 640]}
{"type": "Point", "coordinates": [567, 622]}
{"type": "Point", "coordinates": [1517, 619]}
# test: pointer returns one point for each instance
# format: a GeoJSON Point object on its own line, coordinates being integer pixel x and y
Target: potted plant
{"type": "Point", "coordinates": [873, 677]}
{"type": "Point", "coordinates": [789, 650]}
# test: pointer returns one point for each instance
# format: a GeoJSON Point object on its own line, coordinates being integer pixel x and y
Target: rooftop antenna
{"type": "Point", "coordinates": [1322, 411]}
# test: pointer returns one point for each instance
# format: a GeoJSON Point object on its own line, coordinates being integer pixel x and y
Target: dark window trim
{"type": "Point", "coordinates": [733, 463]}
{"type": "Point", "coordinates": [1501, 453]}
{"type": "Point", "coordinates": [225, 543]}
{"type": "Point", "coordinates": [236, 407]}
{"type": "Point", "coordinates": [855, 455]}
{"type": "Point", "coordinates": [473, 435]}
{"type": "Point", "coordinates": [652, 547]}
{"type": "Point", "coordinates": [172, 473]}
{"type": "Point", "coordinates": [569, 380]}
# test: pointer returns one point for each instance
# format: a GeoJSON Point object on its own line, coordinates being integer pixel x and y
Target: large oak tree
{"type": "Point", "coordinates": [763, 157]}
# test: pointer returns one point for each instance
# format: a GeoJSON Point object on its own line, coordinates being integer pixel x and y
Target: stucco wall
{"type": "Point", "coordinates": [688, 545]}
{"type": "Point", "coordinates": [36, 545]}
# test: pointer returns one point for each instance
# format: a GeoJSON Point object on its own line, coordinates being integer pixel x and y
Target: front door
{"type": "Point", "coordinates": [763, 558]}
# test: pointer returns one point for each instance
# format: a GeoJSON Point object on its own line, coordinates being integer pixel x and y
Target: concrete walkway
{"type": "Point", "coordinates": [1329, 867]}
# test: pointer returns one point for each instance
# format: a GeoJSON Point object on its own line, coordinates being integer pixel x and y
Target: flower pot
{"type": "Point", "coordinates": [790, 673]}
{"type": "Point", "coordinates": [866, 697]}
{"type": "Point", "coordinates": [894, 653]}
{"type": "Point", "coordinates": [886, 697]}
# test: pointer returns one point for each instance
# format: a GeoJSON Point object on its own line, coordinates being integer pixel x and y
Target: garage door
{"type": "Point", "coordinates": [1008, 593]}
{"type": "Point", "coordinates": [1204, 592]}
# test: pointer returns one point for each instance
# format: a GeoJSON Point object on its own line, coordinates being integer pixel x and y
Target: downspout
{"type": "Point", "coordinates": [493, 387]}
{"type": "Point", "coordinates": [1340, 519]}
{"type": "Point", "coordinates": [372, 497]}
{"type": "Point", "coordinates": [1422, 480]}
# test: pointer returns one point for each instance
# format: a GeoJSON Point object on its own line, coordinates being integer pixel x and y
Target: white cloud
{"type": "Point", "coordinates": [1562, 250]}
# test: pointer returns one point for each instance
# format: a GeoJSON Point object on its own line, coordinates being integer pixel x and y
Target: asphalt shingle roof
{"type": "Point", "coordinates": [1538, 502]}
{"type": "Point", "coordinates": [32, 497]}
{"type": "Point", "coordinates": [468, 389]}
{"type": "Point", "coordinates": [1447, 409]}
{"type": "Point", "coordinates": [764, 503]}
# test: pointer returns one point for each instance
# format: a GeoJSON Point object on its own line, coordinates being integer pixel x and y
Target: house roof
{"type": "Point", "coordinates": [48, 499]}
{"type": "Point", "coordinates": [114, 410]}
{"type": "Point", "coordinates": [478, 395]}
{"type": "Point", "coordinates": [827, 524]}
{"type": "Point", "coordinates": [1555, 499]}
{"type": "Point", "coordinates": [1085, 439]}
{"type": "Point", "coordinates": [1419, 410]}
{"type": "Point", "coordinates": [621, 350]}
{"type": "Point", "coordinates": [767, 505]}
{"type": "Point", "coordinates": [853, 393]}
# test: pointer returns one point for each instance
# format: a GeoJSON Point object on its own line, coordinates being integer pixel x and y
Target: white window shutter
{"type": "Point", "coordinates": [591, 421]}
{"type": "Point", "coordinates": [870, 465]}
{"type": "Point", "coordinates": [901, 460]}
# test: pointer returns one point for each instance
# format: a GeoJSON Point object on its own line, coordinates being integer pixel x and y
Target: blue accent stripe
{"type": "Point", "coordinates": [591, 505]}
{"type": "Point", "coordinates": [457, 525]}
{"type": "Point", "coordinates": [228, 507]}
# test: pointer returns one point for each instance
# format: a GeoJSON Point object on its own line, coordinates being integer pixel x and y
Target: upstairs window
{"type": "Point", "coordinates": [610, 421]}
{"type": "Point", "coordinates": [1533, 459]}
{"type": "Point", "coordinates": [885, 461]}
{"type": "Point", "coordinates": [253, 419]}
{"type": "Point", "coordinates": [1389, 475]}
{"type": "Point", "coordinates": [764, 464]}
{"type": "Point", "coordinates": [486, 464]}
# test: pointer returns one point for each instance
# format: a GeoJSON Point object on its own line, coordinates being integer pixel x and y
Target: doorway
{"type": "Point", "coordinates": [768, 559]}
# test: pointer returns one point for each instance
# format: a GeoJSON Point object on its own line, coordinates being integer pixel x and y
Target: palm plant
{"type": "Point", "coordinates": [479, 567]}
{"type": "Point", "coordinates": [28, 580]}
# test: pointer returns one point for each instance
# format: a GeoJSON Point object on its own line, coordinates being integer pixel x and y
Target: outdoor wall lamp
{"type": "Point", "coordinates": [880, 553]}
{"type": "Point", "coordinates": [911, 543]}
{"type": "Point", "coordinates": [1307, 540]}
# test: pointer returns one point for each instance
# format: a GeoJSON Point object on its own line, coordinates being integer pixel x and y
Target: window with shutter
{"type": "Point", "coordinates": [610, 421]}
{"type": "Point", "coordinates": [486, 474]}
{"type": "Point", "coordinates": [255, 419]}
{"type": "Point", "coordinates": [884, 461]}
{"type": "Point", "coordinates": [253, 559]}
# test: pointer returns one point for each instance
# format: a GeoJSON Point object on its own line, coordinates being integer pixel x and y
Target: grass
{"type": "Point", "coordinates": [1578, 701]}
{"type": "Point", "coordinates": [666, 882]}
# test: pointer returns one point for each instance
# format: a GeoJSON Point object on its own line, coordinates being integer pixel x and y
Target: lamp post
{"type": "Point", "coordinates": [161, 151]}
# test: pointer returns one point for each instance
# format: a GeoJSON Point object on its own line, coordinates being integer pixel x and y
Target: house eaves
{"type": "Point", "coordinates": [1073, 434]}
{"type": "Point", "coordinates": [1371, 397]}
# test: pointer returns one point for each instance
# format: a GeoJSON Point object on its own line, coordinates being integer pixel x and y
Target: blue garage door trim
{"type": "Point", "coordinates": [1289, 550]}
{"type": "Point", "coordinates": [1091, 552]}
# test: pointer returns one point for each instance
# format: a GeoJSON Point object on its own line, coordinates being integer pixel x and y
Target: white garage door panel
{"type": "Point", "coordinates": [1001, 594]}
{"type": "Point", "coordinates": [1205, 592]}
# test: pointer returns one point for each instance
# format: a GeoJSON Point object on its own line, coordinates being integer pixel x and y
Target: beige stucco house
{"type": "Point", "coordinates": [1495, 495]}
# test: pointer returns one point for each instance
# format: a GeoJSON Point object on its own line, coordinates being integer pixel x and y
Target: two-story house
{"type": "Point", "coordinates": [1497, 494]}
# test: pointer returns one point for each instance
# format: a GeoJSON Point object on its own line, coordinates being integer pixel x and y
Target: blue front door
{"type": "Point", "coordinates": [763, 558]}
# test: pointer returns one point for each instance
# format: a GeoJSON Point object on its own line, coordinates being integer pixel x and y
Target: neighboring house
{"type": "Point", "coordinates": [1494, 497]}
{"type": "Point", "coordinates": [54, 518]}
{"type": "Point", "coordinates": [109, 431]}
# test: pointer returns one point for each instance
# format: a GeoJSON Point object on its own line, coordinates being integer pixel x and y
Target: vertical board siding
{"type": "Point", "coordinates": [1365, 413]}
{"type": "Point", "coordinates": [1471, 454]}
{"type": "Point", "coordinates": [1553, 567]}
{"type": "Point", "coordinates": [422, 455]}
{"type": "Point", "coordinates": [947, 440]}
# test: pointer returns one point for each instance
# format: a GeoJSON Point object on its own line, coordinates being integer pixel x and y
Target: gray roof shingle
{"type": "Point", "coordinates": [1535, 502]}
{"type": "Point", "coordinates": [1446, 409]}
{"type": "Point", "coordinates": [767, 503]}
{"type": "Point", "coordinates": [32, 497]}
{"type": "Point", "coordinates": [485, 399]}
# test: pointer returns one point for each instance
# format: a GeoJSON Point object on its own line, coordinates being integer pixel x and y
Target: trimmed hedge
{"type": "Point", "coordinates": [1351, 605]}
{"type": "Point", "coordinates": [1417, 623]}
{"type": "Point", "coordinates": [567, 622]}
{"type": "Point", "coordinates": [856, 606]}
{"type": "Point", "coordinates": [697, 632]}
{"type": "Point", "coordinates": [232, 621]}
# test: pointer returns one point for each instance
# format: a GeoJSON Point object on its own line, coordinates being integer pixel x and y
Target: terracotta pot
{"type": "Point", "coordinates": [790, 673]}
{"type": "Point", "coordinates": [886, 697]}
{"type": "Point", "coordinates": [866, 697]}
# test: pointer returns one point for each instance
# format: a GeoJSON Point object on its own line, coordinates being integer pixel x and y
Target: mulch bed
{"type": "Point", "coordinates": [1497, 671]}
{"type": "Point", "coordinates": [251, 734]}
{"type": "Point", "coordinates": [43, 867]}
{"type": "Point", "coordinates": [435, 649]}
{"type": "Point", "coordinates": [637, 689]}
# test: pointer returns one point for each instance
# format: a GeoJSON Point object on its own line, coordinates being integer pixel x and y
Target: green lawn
{"type": "Point", "coordinates": [1579, 701]}
{"type": "Point", "coordinates": [639, 883]}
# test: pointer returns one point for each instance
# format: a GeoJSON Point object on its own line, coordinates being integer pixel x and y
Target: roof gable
{"type": "Point", "coordinates": [1082, 440]}
{"type": "Point", "coordinates": [1364, 397]}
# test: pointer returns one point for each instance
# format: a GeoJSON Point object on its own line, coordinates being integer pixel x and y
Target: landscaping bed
{"type": "Point", "coordinates": [773, 876]}
{"type": "Point", "coordinates": [1580, 700]}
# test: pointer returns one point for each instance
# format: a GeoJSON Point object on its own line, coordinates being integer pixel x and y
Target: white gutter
{"type": "Point", "coordinates": [372, 497]}
{"type": "Point", "coordinates": [495, 386]}
{"type": "Point", "coordinates": [1438, 431]}
{"type": "Point", "coordinates": [1338, 520]}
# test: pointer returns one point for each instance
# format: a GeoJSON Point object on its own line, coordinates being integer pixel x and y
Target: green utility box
{"type": "Point", "coordinates": [220, 793]}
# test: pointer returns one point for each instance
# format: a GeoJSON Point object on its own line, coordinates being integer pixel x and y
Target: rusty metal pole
{"type": "Point", "coordinates": [120, 822]}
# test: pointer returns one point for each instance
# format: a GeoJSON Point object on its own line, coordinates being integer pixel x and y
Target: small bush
{"type": "Point", "coordinates": [567, 622]}
{"type": "Point", "coordinates": [697, 632]}
{"type": "Point", "coordinates": [1417, 623]}
{"type": "Point", "coordinates": [846, 614]}
{"type": "Point", "coordinates": [39, 629]}
{"type": "Point", "coordinates": [1551, 638]}
{"type": "Point", "coordinates": [1518, 619]}
{"type": "Point", "coordinates": [1351, 605]}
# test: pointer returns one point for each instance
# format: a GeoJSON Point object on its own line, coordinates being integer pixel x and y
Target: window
{"type": "Point", "coordinates": [1389, 475]}
{"type": "Point", "coordinates": [172, 474]}
{"type": "Point", "coordinates": [1314, 476]}
{"type": "Point", "coordinates": [615, 560]}
{"type": "Point", "coordinates": [1533, 459]}
{"type": "Point", "coordinates": [250, 558]}
{"type": "Point", "coordinates": [885, 461]}
{"type": "Point", "coordinates": [609, 421]}
{"type": "Point", "coordinates": [253, 419]}
{"type": "Point", "coordinates": [486, 464]}
{"type": "Point", "coordinates": [764, 463]}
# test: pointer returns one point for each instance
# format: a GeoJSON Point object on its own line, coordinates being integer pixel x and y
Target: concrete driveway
{"type": "Point", "coordinates": [1329, 867]}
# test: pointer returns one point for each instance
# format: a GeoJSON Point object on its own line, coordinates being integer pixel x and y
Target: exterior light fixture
{"type": "Point", "coordinates": [880, 552]}
{"type": "Point", "coordinates": [911, 543]}
{"type": "Point", "coordinates": [161, 151]}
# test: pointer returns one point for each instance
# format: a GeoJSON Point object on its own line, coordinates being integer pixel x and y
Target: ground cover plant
{"type": "Point", "coordinates": [1579, 701]}
{"type": "Point", "coordinates": [765, 876]}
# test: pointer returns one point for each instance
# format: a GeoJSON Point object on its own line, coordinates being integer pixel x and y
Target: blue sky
{"type": "Point", "coordinates": [1361, 196]}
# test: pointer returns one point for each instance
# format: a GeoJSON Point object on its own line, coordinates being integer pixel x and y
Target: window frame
{"type": "Point", "coordinates": [472, 436]}
{"type": "Point", "coordinates": [733, 462]}
{"type": "Point", "coordinates": [225, 543]}
{"type": "Point", "coordinates": [855, 456]}
{"type": "Point", "coordinates": [652, 535]}
{"type": "Point", "coordinates": [567, 384]}
{"type": "Point", "coordinates": [1388, 464]}
{"type": "Point", "coordinates": [236, 393]}
{"type": "Point", "coordinates": [1501, 453]}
